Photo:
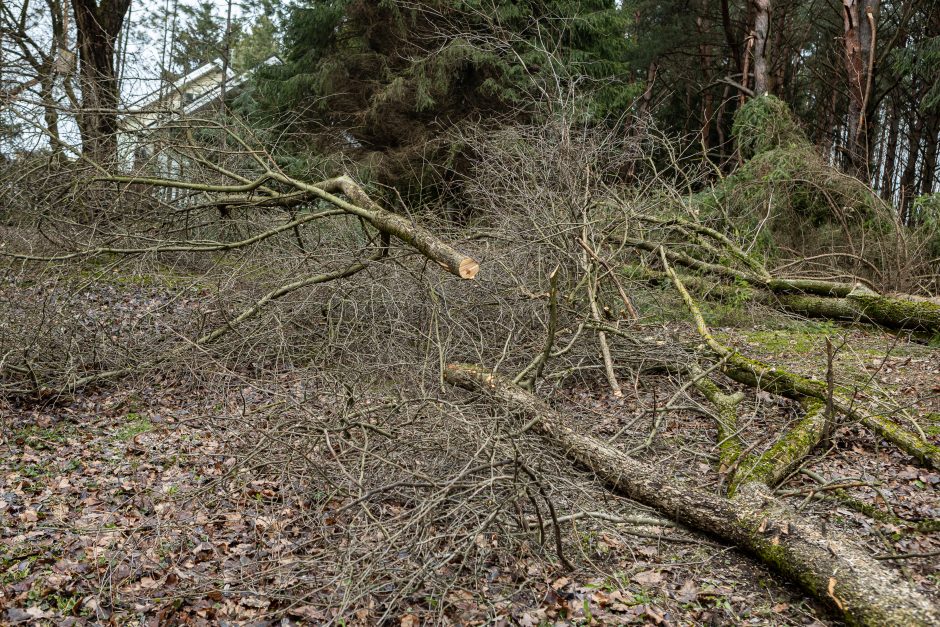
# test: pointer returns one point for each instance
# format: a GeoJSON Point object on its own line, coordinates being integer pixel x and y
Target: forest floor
{"type": "Point", "coordinates": [133, 505]}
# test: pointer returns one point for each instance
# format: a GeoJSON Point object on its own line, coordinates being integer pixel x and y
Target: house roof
{"type": "Point", "coordinates": [232, 83]}
{"type": "Point", "coordinates": [150, 102]}
{"type": "Point", "coordinates": [154, 97]}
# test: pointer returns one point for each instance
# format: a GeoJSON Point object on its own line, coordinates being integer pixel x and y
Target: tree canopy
{"type": "Point", "coordinates": [389, 79]}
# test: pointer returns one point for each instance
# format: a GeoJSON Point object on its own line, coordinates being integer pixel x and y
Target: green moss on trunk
{"type": "Point", "coordinates": [771, 466]}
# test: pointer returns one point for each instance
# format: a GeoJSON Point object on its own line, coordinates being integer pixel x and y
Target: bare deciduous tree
{"type": "Point", "coordinates": [98, 24]}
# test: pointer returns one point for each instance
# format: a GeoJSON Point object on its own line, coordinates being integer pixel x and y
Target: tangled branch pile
{"type": "Point", "coordinates": [344, 315]}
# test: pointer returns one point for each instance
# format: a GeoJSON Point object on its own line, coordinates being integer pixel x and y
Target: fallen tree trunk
{"type": "Point", "coordinates": [833, 570]}
{"type": "Point", "coordinates": [413, 234]}
{"type": "Point", "coordinates": [359, 205]}
{"type": "Point", "coordinates": [867, 306]}
{"type": "Point", "coordinates": [816, 297]}
{"type": "Point", "coordinates": [779, 381]}
{"type": "Point", "coordinates": [773, 465]}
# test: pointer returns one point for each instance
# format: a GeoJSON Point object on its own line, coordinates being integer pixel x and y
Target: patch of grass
{"type": "Point", "coordinates": [72, 465]}
{"type": "Point", "coordinates": [44, 438]}
{"type": "Point", "coordinates": [135, 425]}
{"type": "Point", "coordinates": [64, 603]}
{"type": "Point", "coordinates": [33, 471]}
{"type": "Point", "coordinates": [804, 339]}
{"type": "Point", "coordinates": [933, 424]}
{"type": "Point", "coordinates": [16, 570]}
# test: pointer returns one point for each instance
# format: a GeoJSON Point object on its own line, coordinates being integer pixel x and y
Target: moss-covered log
{"type": "Point", "coordinates": [779, 381]}
{"type": "Point", "coordinates": [866, 306]}
{"type": "Point", "coordinates": [729, 443]}
{"type": "Point", "coordinates": [897, 311]}
{"type": "Point", "coordinates": [858, 587]}
{"type": "Point", "coordinates": [808, 297]}
{"type": "Point", "coordinates": [827, 299]}
{"type": "Point", "coordinates": [769, 467]}
{"type": "Point", "coordinates": [764, 290]}
{"type": "Point", "coordinates": [786, 453]}
{"type": "Point", "coordinates": [809, 286]}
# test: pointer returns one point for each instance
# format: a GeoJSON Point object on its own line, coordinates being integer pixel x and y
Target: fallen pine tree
{"type": "Point", "coordinates": [832, 569]}
{"type": "Point", "coordinates": [780, 381]}
{"type": "Point", "coordinates": [810, 297]}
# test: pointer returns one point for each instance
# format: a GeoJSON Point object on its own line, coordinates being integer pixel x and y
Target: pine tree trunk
{"type": "Point", "coordinates": [891, 149]}
{"type": "Point", "coordinates": [858, 16]}
{"type": "Point", "coordinates": [929, 171]}
{"type": "Point", "coordinates": [908, 188]}
{"type": "Point", "coordinates": [761, 29]}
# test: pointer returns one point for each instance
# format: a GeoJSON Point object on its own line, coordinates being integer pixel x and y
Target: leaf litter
{"type": "Point", "coordinates": [132, 506]}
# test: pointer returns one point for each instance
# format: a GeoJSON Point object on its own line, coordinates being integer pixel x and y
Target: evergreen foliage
{"type": "Point", "coordinates": [766, 123]}
{"type": "Point", "coordinates": [787, 183]}
{"type": "Point", "coordinates": [393, 77]}
{"type": "Point", "coordinates": [201, 40]}
{"type": "Point", "coordinates": [257, 45]}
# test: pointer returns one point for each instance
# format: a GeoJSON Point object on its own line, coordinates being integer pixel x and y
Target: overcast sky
{"type": "Point", "coordinates": [146, 44]}
{"type": "Point", "coordinates": [140, 76]}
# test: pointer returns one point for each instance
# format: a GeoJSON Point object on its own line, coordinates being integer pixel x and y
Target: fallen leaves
{"type": "Point", "coordinates": [104, 519]}
{"type": "Point", "coordinates": [648, 578]}
{"type": "Point", "coordinates": [688, 592]}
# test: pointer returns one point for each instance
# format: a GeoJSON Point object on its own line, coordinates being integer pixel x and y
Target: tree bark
{"type": "Point", "coordinates": [845, 577]}
{"type": "Point", "coordinates": [858, 16]}
{"type": "Point", "coordinates": [844, 300]}
{"type": "Point", "coordinates": [867, 306]}
{"type": "Point", "coordinates": [404, 229]}
{"type": "Point", "coordinates": [908, 189]}
{"type": "Point", "coordinates": [50, 113]}
{"type": "Point", "coordinates": [98, 25]}
{"type": "Point", "coordinates": [821, 299]}
{"type": "Point", "coordinates": [761, 29]}
{"type": "Point", "coordinates": [779, 381]}
{"type": "Point", "coordinates": [929, 171]}
{"type": "Point", "coordinates": [359, 204]}
{"type": "Point", "coordinates": [891, 149]}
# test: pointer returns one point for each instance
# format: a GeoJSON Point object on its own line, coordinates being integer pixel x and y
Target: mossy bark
{"type": "Point", "coordinates": [808, 297]}
{"type": "Point", "coordinates": [773, 379]}
{"type": "Point", "coordinates": [773, 465]}
{"type": "Point", "coordinates": [865, 306]}
{"type": "Point", "coordinates": [811, 297]}
{"type": "Point", "coordinates": [809, 286]}
{"type": "Point", "coordinates": [859, 588]}
{"type": "Point", "coordinates": [905, 313]}
{"type": "Point", "coordinates": [780, 381]}
{"type": "Point", "coordinates": [729, 444]}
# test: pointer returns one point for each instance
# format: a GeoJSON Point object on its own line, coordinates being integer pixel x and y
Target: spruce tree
{"type": "Point", "coordinates": [391, 78]}
{"type": "Point", "coordinates": [200, 40]}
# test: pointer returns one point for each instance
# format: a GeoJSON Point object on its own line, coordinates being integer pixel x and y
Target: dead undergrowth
{"type": "Point", "coordinates": [305, 463]}
{"type": "Point", "coordinates": [314, 499]}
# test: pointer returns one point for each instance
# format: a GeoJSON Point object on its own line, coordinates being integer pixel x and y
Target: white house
{"type": "Point", "coordinates": [139, 135]}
